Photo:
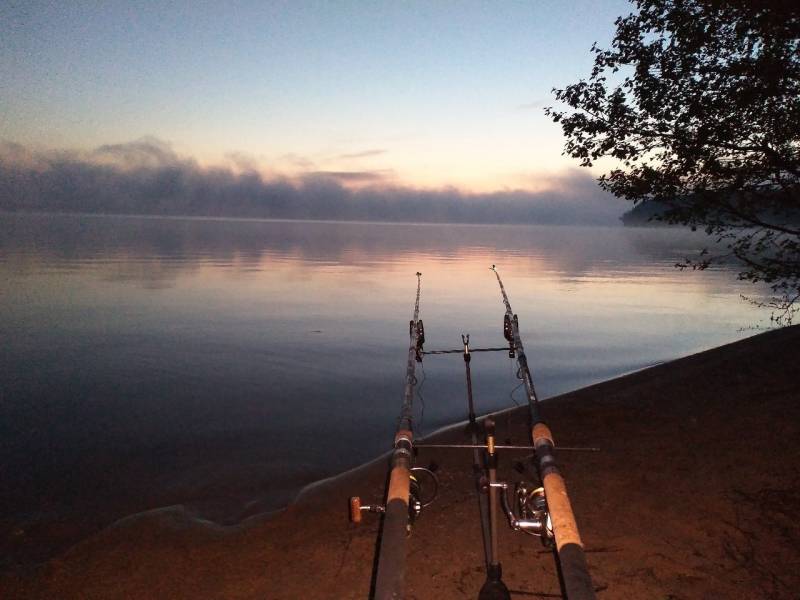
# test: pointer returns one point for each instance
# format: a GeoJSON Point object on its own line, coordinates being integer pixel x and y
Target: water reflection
{"type": "Point", "coordinates": [223, 364]}
{"type": "Point", "coordinates": [169, 247]}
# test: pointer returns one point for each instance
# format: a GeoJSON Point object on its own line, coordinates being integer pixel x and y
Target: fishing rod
{"type": "Point", "coordinates": [569, 547]}
{"type": "Point", "coordinates": [403, 495]}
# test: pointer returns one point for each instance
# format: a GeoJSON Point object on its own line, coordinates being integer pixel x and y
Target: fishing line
{"type": "Point", "coordinates": [421, 398]}
{"type": "Point", "coordinates": [511, 395]}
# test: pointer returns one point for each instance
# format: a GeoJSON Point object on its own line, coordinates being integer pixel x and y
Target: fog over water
{"type": "Point", "coordinates": [147, 176]}
{"type": "Point", "coordinates": [224, 364]}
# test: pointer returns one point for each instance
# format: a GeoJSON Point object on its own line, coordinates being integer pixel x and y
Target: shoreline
{"type": "Point", "coordinates": [31, 543]}
{"type": "Point", "coordinates": [692, 495]}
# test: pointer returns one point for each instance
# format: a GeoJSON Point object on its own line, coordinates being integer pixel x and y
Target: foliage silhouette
{"type": "Point", "coordinates": [698, 104]}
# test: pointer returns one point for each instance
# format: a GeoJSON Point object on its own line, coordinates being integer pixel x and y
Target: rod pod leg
{"type": "Point", "coordinates": [493, 588]}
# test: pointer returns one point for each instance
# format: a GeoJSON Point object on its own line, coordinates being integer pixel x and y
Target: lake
{"type": "Point", "coordinates": [225, 364]}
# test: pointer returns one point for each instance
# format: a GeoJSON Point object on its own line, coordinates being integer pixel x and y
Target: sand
{"type": "Point", "coordinates": [694, 494]}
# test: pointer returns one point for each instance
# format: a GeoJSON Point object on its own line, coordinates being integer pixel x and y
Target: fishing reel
{"type": "Point", "coordinates": [419, 496]}
{"type": "Point", "coordinates": [529, 514]}
{"type": "Point", "coordinates": [508, 333]}
{"type": "Point", "coordinates": [420, 331]}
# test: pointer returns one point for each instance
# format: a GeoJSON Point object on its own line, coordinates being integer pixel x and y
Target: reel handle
{"type": "Point", "coordinates": [355, 510]}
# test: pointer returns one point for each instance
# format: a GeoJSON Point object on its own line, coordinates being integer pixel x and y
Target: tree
{"type": "Point", "coordinates": [698, 103]}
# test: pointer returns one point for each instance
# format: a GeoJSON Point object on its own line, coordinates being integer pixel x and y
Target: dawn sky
{"type": "Point", "coordinates": [424, 94]}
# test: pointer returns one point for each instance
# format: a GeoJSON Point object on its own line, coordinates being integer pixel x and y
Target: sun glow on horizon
{"type": "Point", "coordinates": [416, 95]}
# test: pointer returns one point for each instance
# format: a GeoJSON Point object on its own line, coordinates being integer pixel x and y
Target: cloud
{"type": "Point", "coordinates": [148, 177]}
{"type": "Point", "coordinates": [298, 161]}
{"type": "Point", "coordinates": [145, 153]}
{"type": "Point", "coordinates": [355, 177]}
{"type": "Point", "coordinates": [540, 103]}
{"type": "Point", "coordinates": [242, 161]}
{"type": "Point", "coordinates": [364, 154]}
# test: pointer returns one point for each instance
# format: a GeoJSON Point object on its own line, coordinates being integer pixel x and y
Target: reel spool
{"type": "Point", "coordinates": [532, 507]}
{"type": "Point", "coordinates": [416, 498]}
{"type": "Point", "coordinates": [530, 514]}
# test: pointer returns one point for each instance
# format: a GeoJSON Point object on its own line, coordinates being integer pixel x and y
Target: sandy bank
{"type": "Point", "coordinates": [694, 495]}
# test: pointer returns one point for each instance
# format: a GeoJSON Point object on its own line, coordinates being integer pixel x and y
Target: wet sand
{"type": "Point", "coordinates": [695, 494]}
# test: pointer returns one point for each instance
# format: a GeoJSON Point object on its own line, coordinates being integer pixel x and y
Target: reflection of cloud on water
{"type": "Point", "coordinates": [153, 273]}
{"type": "Point", "coordinates": [157, 253]}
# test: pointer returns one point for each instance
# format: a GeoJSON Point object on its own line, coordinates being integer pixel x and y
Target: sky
{"type": "Point", "coordinates": [420, 94]}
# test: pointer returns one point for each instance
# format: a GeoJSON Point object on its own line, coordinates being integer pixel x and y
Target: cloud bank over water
{"type": "Point", "coordinates": [148, 177]}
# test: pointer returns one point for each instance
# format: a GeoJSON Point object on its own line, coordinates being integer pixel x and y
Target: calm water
{"type": "Point", "coordinates": [224, 364]}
